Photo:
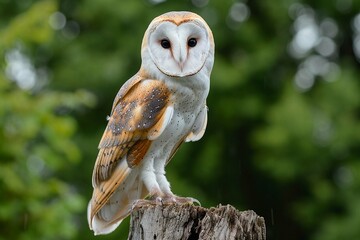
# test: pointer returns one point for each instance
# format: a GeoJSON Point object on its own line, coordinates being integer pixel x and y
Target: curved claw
{"type": "Point", "coordinates": [194, 200]}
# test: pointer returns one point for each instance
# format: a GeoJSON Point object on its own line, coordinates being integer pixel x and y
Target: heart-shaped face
{"type": "Point", "coordinates": [178, 49]}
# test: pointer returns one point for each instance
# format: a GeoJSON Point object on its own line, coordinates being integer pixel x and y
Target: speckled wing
{"type": "Point", "coordinates": [140, 113]}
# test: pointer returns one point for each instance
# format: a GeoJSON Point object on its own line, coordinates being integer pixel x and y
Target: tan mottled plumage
{"type": "Point", "coordinates": [154, 112]}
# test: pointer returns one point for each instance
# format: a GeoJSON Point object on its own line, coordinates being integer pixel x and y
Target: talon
{"type": "Point", "coordinates": [159, 200]}
{"type": "Point", "coordinates": [195, 201]}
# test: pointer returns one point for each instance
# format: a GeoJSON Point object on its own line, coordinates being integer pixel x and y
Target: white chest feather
{"type": "Point", "coordinates": [187, 102]}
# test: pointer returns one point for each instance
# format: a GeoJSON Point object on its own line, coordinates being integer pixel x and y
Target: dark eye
{"type": "Point", "coordinates": [192, 42]}
{"type": "Point", "coordinates": [165, 43]}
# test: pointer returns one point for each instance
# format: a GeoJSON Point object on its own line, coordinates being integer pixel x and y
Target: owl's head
{"type": "Point", "coordinates": [179, 44]}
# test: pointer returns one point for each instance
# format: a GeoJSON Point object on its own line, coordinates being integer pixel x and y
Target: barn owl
{"type": "Point", "coordinates": [154, 112]}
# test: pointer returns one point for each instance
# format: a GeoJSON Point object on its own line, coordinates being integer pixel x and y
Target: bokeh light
{"type": "Point", "coordinates": [57, 20]}
{"type": "Point", "coordinates": [20, 69]}
{"type": "Point", "coordinates": [314, 45]}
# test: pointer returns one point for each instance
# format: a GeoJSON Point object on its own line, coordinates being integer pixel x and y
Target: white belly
{"type": "Point", "coordinates": [187, 107]}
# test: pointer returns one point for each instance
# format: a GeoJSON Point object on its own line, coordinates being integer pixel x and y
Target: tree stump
{"type": "Point", "coordinates": [175, 222]}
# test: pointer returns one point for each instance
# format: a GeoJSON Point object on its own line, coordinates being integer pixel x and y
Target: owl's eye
{"type": "Point", "coordinates": [165, 43]}
{"type": "Point", "coordinates": [192, 42]}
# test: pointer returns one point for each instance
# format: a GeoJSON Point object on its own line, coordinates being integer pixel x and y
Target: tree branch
{"type": "Point", "coordinates": [175, 222]}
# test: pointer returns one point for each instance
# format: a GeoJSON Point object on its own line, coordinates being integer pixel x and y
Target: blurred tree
{"type": "Point", "coordinates": [35, 136]}
{"type": "Point", "coordinates": [283, 131]}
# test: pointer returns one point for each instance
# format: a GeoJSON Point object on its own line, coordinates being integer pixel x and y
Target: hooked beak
{"type": "Point", "coordinates": [181, 66]}
{"type": "Point", "coordinates": [180, 54]}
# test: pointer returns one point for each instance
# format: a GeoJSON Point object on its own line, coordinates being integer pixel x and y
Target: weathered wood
{"type": "Point", "coordinates": [175, 222]}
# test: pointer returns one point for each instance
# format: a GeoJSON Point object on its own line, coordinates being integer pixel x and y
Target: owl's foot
{"type": "Point", "coordinates": [165, 200]}
{"type": "Point", "coordinates": [180, 200]}
{"type": "Point", "coordinates": [146, 202]}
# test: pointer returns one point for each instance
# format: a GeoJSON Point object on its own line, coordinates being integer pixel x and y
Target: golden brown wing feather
{"type": "Point", "coordinates": [138, 110]}
{"type": "Point", "coordinates": [134, 114]}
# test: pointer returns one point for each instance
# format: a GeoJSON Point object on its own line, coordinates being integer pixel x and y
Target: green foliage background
{"type": "Point", "coordinates": [283, 135]}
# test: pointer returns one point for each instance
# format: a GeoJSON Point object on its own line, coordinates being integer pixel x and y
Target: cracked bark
{"type": "Point", "coordinates": [175, 222]}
